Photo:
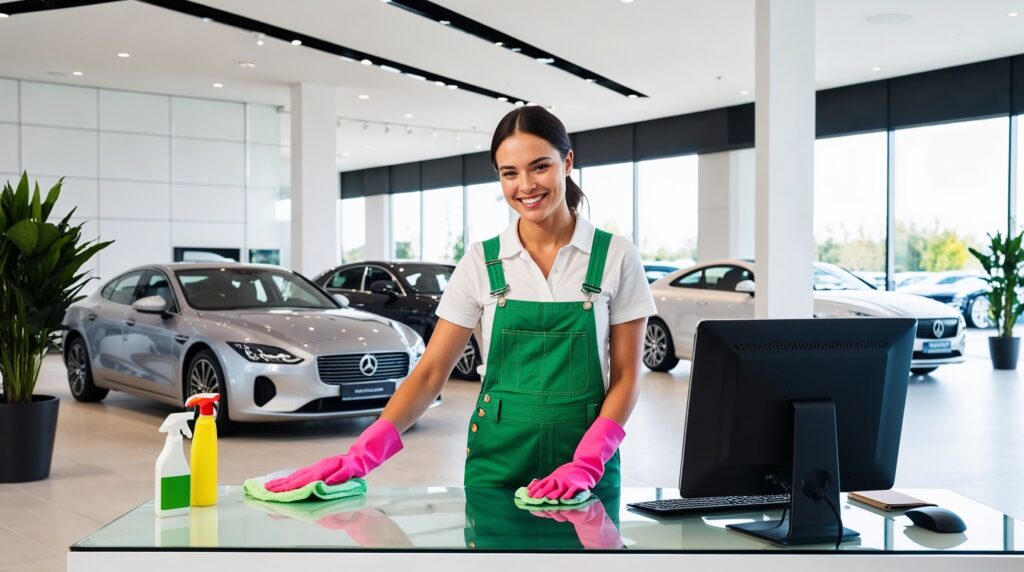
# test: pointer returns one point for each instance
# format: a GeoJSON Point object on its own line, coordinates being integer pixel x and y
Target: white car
{"type": "Point", "coordinates": [724, 289]}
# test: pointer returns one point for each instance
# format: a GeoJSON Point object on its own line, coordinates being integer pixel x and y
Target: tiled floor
{"type": "Point", "coordinates": [963, 430]}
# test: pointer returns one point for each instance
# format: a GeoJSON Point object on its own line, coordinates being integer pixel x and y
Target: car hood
{"type": "Point", "coordinates": [882, 304]}
{"type": "Point", "coordinates": [311, 326]}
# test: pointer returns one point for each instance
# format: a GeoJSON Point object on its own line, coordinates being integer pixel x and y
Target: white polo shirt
{"type": "Point", "coordinates": [625, 294]}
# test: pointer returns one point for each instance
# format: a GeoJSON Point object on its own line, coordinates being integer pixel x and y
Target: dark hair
{"type": "Point", "coordinates": [540, 122]}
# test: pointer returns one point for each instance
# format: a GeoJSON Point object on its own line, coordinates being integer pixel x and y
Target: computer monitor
{"type": "Point", "coordinates": [815, 406]}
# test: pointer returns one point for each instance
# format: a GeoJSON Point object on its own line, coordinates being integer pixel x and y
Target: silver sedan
{"type": "Point", "coordinates": [273, 344]}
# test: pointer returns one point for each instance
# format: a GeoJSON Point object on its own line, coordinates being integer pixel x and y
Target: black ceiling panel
{"type": "Point", "coordinates": [858, 108]}
{"type": "Point", "coordinates": [603, 146]}
{"type": "Point", "coordinates": [404, 178]}
{"type": "Point", "coordinates": [476, 169]}
{"type": "Point", "coordinates": [970, 91]}
{"type": "Point", "coordinates": [441, 173]}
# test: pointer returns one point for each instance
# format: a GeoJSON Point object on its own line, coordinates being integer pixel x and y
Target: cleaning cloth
{"type": "Point", "coordinates": [525, 501]}
{"type": "Point", "coordinates": [308, 510]}
{"type": "Point", "coordinates": [316, 490]}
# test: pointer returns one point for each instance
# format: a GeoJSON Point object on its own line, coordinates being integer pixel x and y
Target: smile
{"type": "Point", "coordinates": [532, 202]}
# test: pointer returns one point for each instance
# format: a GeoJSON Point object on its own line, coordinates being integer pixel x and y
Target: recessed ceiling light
{"type": "Point", "coordinates": [632, 96]}
{"type": "Point", "coordinates": [889, 18]}
{"type": "Point", "coordinates": [2, 15]}
{"type": "Point", "coordinates": [345, 154]}
{"type": "Point", "coordinates": [520, 103]}
{"type": "Point", "coordinates": [296, 42]}
{"type": "Point", "coordinates": [207, 20]}
{"type": "Point", "coordinates": [363, 96]}
{"type": "Point", "coordinates": [439, 83]}
{"type": "Point", "coordinates": [247, 64]}
{"type": "Point", "coordinates": [627, 1]}
{"type": "Point", "coordinates": [444, 22]}
{"type": "Point", "coordinates": [415, 76]}
{"type": "Point", "coordinates": [546, 60]}
{"type": "Point", "coordinates": [478, 146]}
{"type": "Point", "coordinates": [876, 69]}
{"type": "Point", "coordinates": [218, 85]}
{"type": "Point", "coordinates": [123, 55]}
{"type": "Point", "coordinates": [499, 44]}
{"type": "Point", "coordinates": [591, 80]}
{"type": "Point", "coordinates": [77, 73]}
{"type": "Point", "coordinates": [366, 62]}
{"type": "Point", "coordinates": [744, 92]}
{"type": "Point", "coordinates": [390, 69]}
{"type": "Point", "coordinates": [1013, 14]}
{"type": "Point", "coordinates": [502, 98]}
{"type": "Point", "coordinates": [408, 116]}
{"type": "Point", "coordinates": [453, 86]}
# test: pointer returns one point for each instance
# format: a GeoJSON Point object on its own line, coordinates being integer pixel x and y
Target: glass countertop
{"type": "Point", "coordinates": [455, 519]}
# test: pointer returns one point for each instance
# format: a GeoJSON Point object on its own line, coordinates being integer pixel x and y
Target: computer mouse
{"type": "Point", "coordinates": [936, 519]}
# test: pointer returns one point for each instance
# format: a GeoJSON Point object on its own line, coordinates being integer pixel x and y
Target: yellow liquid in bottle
{"type": "Point", "coordinates": [204, 462]}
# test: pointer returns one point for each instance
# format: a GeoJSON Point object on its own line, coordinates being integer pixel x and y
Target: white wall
{"type": "Point", "coordinates": [150, 171]}
{"type": "Point", "coordinates": [725, 205]}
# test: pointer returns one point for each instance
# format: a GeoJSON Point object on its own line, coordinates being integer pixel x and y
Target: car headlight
{"type": "Point", "coordinates": [260, 353]}
{"type": "Point", "coordinates": [856, 314]}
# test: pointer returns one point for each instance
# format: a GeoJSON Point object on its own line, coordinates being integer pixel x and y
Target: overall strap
{"type": "Point", "coordinates": [495, 273]}
{"type": "Point", "coordinates": [598, 255]}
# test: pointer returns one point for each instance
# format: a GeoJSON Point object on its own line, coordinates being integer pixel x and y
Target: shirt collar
{"type": "Point", "coordinates": [582, 238]}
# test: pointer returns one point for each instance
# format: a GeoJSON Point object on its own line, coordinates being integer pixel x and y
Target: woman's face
{"type": "Point", "coordinates": [532, 175]}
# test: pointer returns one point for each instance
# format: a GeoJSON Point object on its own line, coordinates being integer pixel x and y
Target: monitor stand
{"type": "Point", "coordinates": [810, 519]}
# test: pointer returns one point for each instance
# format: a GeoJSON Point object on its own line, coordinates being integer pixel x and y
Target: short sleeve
{"type": "Point", "coordinates": [633, 298]}
{"type": "Point", "coordinates": [460, 304]}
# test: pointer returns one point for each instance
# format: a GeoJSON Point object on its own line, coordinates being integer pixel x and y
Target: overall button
{"type": "Point", "coordinates": [467, 450]}
{"type": "Point", "coordinates": [480, 412]}
{"type": "Point", "coordinates": [487, 398]}
{"type": "Point", "coordinates": [473, 428]}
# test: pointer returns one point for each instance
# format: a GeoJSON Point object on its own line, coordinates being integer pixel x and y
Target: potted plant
{"type": "Point", "coordinates": [39, 279]}
{"type": "Point", "coordinates": [1003, 263]}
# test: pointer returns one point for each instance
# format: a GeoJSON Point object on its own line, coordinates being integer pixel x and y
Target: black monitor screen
{"type": "Point", "coordinates": [747, 374]}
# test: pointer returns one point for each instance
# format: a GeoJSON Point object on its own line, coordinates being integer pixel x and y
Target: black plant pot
{"type": "Point", "coordinates": [1004, 352]}
{"type": "Point", "coordinates": [27, 431]}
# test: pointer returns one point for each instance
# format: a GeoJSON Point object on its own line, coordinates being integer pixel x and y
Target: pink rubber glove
{"type": "Point", "coordinates": [582, 474]}
{"type": "Point", "coordinates": [593, 526]}
{"type": "Point", "coordinates": [378, 443]}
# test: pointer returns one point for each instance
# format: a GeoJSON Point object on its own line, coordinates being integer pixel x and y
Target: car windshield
{"type": "Point", "coordinates": [832, 277]}
{"type": "Point", "coordinates": [228, 288]}
{"type": "Point", "coordinates": [427, 278]}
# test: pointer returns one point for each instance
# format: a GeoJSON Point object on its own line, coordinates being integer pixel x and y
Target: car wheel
{"type": "Point", "coordinates": [977, 312]}
{"type": "Point", "coordinates": [465, 368]}
{"type": "Point", "coordinates": [922, 370]}
{"type": "Point", "coordinates": [204, 375]}
{"type": "Point", "coordinates": [659, 352]}
{"type": "Point", "coordinates": [80, 373]}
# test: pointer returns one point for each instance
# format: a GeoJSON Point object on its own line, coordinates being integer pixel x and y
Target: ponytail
{"type": "Point", "coordinates": [573, 195]}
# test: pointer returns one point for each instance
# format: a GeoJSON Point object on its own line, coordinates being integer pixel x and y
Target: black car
{"type": "Point", "coordinates": [407, 292]}
{"type": "Point", "coordinates": [964, 290]}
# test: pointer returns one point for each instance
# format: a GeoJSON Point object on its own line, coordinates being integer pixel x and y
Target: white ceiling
{"type": "Point", "coordinates": [686, 55]}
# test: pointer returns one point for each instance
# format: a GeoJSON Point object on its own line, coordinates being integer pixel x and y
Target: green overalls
{"type": "Point", "coordinates": [543, 386]}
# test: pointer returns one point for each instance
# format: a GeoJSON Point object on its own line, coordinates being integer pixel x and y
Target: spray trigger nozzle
{"type": "Point", "coordinates": [177, 422]}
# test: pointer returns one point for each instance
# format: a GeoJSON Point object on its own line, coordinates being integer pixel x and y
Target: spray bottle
{"type": "Point", "coordinates": [172, 489]}
{"type": "Point", "coordinates": [204, 450]}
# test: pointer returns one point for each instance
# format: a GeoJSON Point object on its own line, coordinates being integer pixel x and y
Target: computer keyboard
{"type": "Point", "coordinates": [695, 505]}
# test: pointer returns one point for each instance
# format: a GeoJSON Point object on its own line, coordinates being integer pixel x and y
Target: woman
{"type": "Point", "coordinates": [557, 299]}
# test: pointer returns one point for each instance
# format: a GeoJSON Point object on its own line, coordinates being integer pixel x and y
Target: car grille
{"type": "Point", "coordinates": [925, 328]}
{"type": "Point", "coordinates": [344, 368]}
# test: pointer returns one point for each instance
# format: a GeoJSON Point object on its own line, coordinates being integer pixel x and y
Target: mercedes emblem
{"type": "Point", "coordinates": [368, 365]}
{"type": "Point", "coordinates": [938, 328]}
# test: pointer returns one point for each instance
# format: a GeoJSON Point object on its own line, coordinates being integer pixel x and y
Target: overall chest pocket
{"type": "Point", "coordinates": [545, 363]}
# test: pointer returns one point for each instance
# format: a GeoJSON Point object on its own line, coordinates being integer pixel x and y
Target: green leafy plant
{"type": "Point", "coordinates": [39, 278]}
{"type": "Point", "coordinates": [1003, 264]}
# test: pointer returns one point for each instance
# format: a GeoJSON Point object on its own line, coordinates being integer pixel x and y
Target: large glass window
{"type": "Point", "coordinates": [442, 225]}
{"type": "Point", "coordinates": [406, 234]}
{"type": "Point", "coordinates": [353, 229]}
{"type": "Point", "coordinates": [951, 190]}
{"type": "Point", "coordinates": [850, 203]}
{"type": "Point", "coordinates": [1019, 215]}
{"type": "Point", "coordinates": [609, 202]}
{"type": "Point", "coordinates": [488, 212]}
{"type": "Point", "coordinates": [667, 203]}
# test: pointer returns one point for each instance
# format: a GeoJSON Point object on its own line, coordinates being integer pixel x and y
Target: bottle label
{"type": "Point", "coordinates": [174, 492]}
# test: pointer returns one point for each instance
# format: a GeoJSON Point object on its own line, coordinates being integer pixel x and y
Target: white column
{"type": "Point", "coordinates": [784, 147]}
{"type": "Point", "coordinates": [725, 205]}
{"type": "Point", "coordinates": [314, 179]}
{"type": "Point", "coordinates": [378, 221]}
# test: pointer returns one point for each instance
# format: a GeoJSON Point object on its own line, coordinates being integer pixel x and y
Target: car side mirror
{"type": "Point", "coordinates": [343, 300]}
{"type": "Point", "coordinates": [746, 287]}
{"type": "Point", "coordinates": [150, 305]}
{"type": "Point", "coordinates": [387, 287]}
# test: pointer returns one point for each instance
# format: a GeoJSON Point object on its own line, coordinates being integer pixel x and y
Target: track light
{"type": "Point", "coordinates": [387, 129]}
{"type": "Point", "coordinates": [365, 126]}
{"type": "Point", "coordinates": [259, 39]}
{"type": "Point", "coordinates": [408, 130]}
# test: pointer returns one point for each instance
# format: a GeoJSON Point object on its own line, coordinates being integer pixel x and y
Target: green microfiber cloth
{"type": "Point", "coordinates": [525, 501]}
{"type": "Point", "coordinates": [317, 490]}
